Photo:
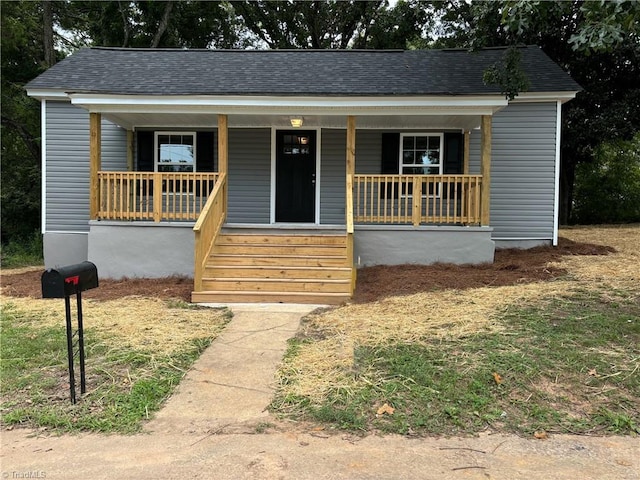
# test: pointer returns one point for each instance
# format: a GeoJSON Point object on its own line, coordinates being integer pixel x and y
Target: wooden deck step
{"type": "Point", "coordinates": [278, 285]}
{"type": "Point", "coordinates": [257, 239]}
{"type": "Point", "coordinates": [269, 297]}
{"type": "Point", "coordinates": [277, 267]}
{"type": "Point", "coordinates": [268, 272]}
{"type": "Point", "coordinates": [275, 249]}
{"type": "Point", "coordinates": [278, 260]}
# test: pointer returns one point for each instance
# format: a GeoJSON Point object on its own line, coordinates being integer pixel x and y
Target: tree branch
{"type": "Point", "coordinates": [162, 26]}
{"type": "Point", "coordinates": [30, 142]}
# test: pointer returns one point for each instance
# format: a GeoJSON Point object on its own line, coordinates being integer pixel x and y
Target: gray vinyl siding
{"type": "Point", "coordinates": [368, 151]}
{"type": "Point", "coordinates": [67, 164]}
{"type": "Point", "coordinates": [333, 169]}
{"type": "Point", "coordinates": [249, 176]}
{"type": "Point", "coordinates": [522, 170]}
{"type": "Point", "coordinates": [332, 177]}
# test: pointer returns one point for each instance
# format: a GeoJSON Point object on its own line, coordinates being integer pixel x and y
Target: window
{"type": "Point", "coordinates": [421, 154]}
{"type": "Point", "coordinates": [175, 151]}
{"type": "Point", "coordinates": [295, 145]}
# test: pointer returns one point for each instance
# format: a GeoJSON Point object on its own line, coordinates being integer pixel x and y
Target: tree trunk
{"type": "Point", "coordinates": [162, 27]}
{"type": "Point", "coordinates": [47, 34]}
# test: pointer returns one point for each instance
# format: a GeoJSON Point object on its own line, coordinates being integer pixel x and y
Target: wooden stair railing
{"type": "Point", "coordinates": [208, 227]}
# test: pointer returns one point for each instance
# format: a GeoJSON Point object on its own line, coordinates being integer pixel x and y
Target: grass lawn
{"type": "Point", "coordinates": [137, 352]}
{"type": "Point", "coordinates": [561, 356]}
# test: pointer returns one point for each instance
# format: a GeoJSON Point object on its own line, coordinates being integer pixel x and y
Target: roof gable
{"type": "Point", "coordinates": [292, 72]}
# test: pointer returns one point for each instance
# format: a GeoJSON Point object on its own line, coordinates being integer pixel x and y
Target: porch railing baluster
{"type": "Point", "coordinates": [391, 199]}
{"type": "Point", "coordinates": [157, 196]}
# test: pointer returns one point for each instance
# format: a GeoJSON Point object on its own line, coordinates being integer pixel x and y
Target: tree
{"type": "Point", "coordinates": [608, 188]}
{"type": "Point", "coordinates": [302, 24]}
{"type": "Point", "coordinates": [22, 59]}
{"type": "Point", "coordinates": [155, 24]}
{"type": "Point", "coordinates": [596, 42]}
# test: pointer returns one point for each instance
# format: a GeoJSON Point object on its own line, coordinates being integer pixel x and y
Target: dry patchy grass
{"type": "Point", "coordinates": [144, 324]}
{"type": "Point", "coordinates": [327, 362]}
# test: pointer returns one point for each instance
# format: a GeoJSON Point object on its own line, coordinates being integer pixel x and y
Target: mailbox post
{"type": "Point", "coordinates": [62, 283]}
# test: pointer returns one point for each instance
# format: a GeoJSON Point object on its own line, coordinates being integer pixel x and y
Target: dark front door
{"type": "Point", "coordinates": [295, 176]}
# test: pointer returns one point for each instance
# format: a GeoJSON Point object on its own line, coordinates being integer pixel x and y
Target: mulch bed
{"type": "Point", "coordinates": [511, 267]}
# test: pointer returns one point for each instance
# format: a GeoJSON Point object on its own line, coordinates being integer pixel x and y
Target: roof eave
{"type": "Point", "coordinates": [338, 105]}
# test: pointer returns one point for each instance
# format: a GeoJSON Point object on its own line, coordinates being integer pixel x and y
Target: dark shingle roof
{"type": "Point", "coordinates": [291, 72]}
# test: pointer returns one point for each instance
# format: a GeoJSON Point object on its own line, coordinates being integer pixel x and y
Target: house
{"type": "Point", "coordinates": [273, 175]}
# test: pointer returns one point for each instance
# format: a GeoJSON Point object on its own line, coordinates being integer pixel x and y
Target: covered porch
{"type": "Point", "coordinates": [452, 205]}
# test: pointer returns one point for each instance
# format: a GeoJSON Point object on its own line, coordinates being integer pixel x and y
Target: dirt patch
{"type": "Point", "coordinates": [27, 284]}
{"type": "Point", "coordinates": [510, 267]}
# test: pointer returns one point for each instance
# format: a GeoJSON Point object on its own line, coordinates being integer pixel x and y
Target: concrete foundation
{"type": "Point", "coordinates": [60, 249]}
{"type": "Point", "coordinates": [141, 249]}
{"type": "Point", "coordinates": [397, 245]}
{"type": "Point", "coordinates": [522, 244]}
{"type": "Point", "coordinates": [155, 250]}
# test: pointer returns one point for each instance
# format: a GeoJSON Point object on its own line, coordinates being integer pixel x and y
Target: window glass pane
{"type": "Point", "coordinates": [176, 153]}
{"type": "Point", "coordinates": [434, 143]}
{"type": "Point", "coordinates": [413, 171]}
{"type": "Point", "coordinates": [434, 158]}
{"type": "Point", "coordinates": [407, 157]}
{"type": "Point", "coordinates": [421, 143]}
{"type": "Point", "coordinates": [422, 157]}
{"type": "Point", "coordinates": [175, 168]}
{"type": "Point", "coordinates": [432, 170]}
{"type": "Point", "coordinates": [408, 143]}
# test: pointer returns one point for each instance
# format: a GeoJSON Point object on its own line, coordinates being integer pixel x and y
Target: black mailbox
{"type": "Point", "coordinates": [69, 280]}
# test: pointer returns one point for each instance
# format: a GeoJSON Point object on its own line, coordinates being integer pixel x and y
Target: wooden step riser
{"type": "Point", "coordinates": [257, 285]}
{"type": "Point", "coordinates": [286, 261]}
{"type": "Point", "coordinates": [307, 250]}
{"type": "Point", "coordinates": [326, 273]}
{"type": "Point", "coordinates": [258, 297]}
{"type": "Point", "coordinates": [339, 240]}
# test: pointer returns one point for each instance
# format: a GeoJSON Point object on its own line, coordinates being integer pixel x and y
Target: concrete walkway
{"type": "Point", "coordinates": [230, 386]}
{"type": "Point", "coordinates": [210, 429]}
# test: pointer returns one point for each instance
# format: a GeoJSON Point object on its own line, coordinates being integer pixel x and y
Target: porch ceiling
{"type": "Point", "coordinates": [329, 112]}
{"type": "Point", "coordinates": [205, 120]}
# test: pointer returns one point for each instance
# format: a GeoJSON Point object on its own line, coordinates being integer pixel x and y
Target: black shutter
{"type": "Point", "coordinates": [390, 153]}
{"type": "Point", "coordinates": [204, 151]}
{"type": "Point", "coordinates": [453, 152]}
{"type": "Point", "coordinates": [145, 151]}
{"type": "Point", "coordinates": [453, 159]}
{"type": "Point", "coordinates": [390, 161]}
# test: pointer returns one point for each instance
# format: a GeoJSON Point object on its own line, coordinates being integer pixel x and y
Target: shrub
{"type": "Point", "coordinates": [607, 190]}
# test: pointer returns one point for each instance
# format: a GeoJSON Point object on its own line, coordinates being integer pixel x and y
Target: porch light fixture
{"type": "Point", "coordinates": [296, 122]}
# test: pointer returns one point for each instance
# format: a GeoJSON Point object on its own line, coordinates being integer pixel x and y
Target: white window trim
{"type": "Point", "coordinates": [156, 134]}
{"type": "Point", "coordinates": [441, 162]}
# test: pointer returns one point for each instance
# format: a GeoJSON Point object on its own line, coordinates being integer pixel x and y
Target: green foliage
{"type": "Point", "coordinates": [188, 24]}
{"type": "Point", "coordinates": [21, 60]}
{"type": "Point", "coordinates": [22, 251]}
{"type": "Point", "coordinates": [124, 386]}
{"type": "Point", "coordinates": [608, 188]}
{"type": "Point", "coordinates": [552, 359]}
{"type": "Point", "coordinates": [302, 24]}
{"type": "Point", "coordinates": [606, 25]}
{"type": "Point", "coordinates": [508, 74]}
{"type": "Point", "coordinates": [596, 42]}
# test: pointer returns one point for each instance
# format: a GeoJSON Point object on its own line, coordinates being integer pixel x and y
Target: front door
{"type": "Point", "coordinates": [296, 176]}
